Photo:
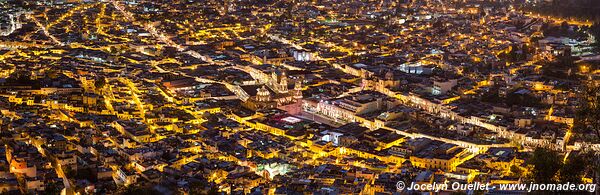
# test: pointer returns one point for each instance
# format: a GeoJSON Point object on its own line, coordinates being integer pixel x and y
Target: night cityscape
{"type": "Point", "coordinates": [278, 97]}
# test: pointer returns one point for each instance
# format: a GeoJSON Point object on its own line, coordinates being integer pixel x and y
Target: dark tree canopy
{"type": "Point", "coordinates": [587, 117]}
{"type": "Point", "coordinates": [546, 164]}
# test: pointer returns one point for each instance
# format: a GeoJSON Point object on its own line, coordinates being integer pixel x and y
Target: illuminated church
{"type": "Point", "coordinates": [277, 91]}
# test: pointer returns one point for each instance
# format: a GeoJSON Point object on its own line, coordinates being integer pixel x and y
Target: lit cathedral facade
{"type": "Point", "coordinates": [274, 93]}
